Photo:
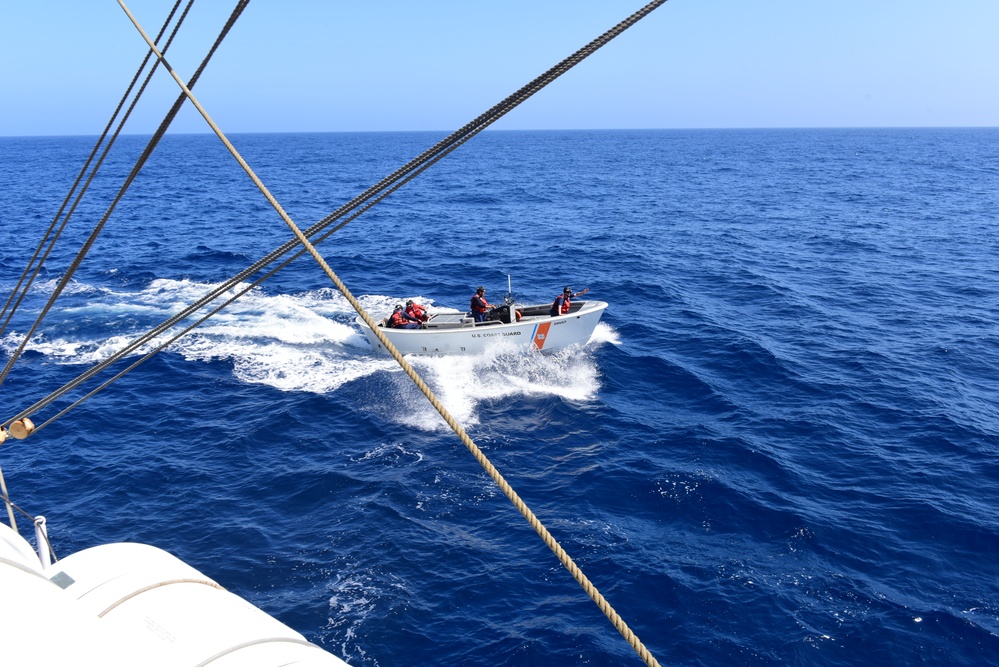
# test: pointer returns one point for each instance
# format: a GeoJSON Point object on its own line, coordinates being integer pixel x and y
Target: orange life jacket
{"type": "Point", "coordinates": [566, 298]}
{"type": "Point", "coordinates": [397, 319]}
{"type": "Point", "coordinates": [417, 311]}
{"type": "Point", "coordinates": [478, 303]}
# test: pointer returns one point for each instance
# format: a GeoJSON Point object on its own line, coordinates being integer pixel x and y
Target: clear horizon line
{"type": "Point", "coordinates": [594, 129]}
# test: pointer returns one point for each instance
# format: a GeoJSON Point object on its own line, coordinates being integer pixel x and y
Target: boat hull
{"type": "Point", "coordinates": [458, 334]}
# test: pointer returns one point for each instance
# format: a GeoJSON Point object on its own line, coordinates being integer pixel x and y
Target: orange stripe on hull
{"type": "Point", "coordinates": [541, 334]}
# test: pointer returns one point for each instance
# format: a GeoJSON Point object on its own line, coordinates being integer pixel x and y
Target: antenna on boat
{"type": "Point", "coordinates": [508, 299]}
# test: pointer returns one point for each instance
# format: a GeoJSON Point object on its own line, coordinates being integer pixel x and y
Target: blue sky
{"type": "Point", "coordinates": [311, 65]}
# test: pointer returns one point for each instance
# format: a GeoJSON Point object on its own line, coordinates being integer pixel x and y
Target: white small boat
{"type": "Point", "coordinates": [459, 333]}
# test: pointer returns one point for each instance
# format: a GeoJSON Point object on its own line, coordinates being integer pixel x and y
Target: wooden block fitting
{"type": "Point", "coordinates": [22, 428]}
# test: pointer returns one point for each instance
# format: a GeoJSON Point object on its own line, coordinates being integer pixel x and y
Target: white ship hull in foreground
{"type": "Point", "coordinates": [127, 604]}
{"type": "Point", "coordinates": [458, 333]}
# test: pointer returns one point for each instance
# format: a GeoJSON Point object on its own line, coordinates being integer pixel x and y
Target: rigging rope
{"type": "Point", "coordinates": [491, 470]}
{"type": "Point", "coordinates": [100, 140]}
{"type": "Point", "coordinates": [25, 282]}
{"type": "Point", "coordinates": [388, 185]}
{"type": "Point", "coordinates": [365, 201]}
{"type": "Point", "coordinates": [150, 146]}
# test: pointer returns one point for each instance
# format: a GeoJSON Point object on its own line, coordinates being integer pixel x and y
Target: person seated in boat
{"type": "Point", "coordinates": [416, 310]}
{"type": "Point", "coordinates": [562, 302]}
{"type": "Point", "coordinates": [400, 319]}
{"type": "Point", "coordinates": [479, 306]}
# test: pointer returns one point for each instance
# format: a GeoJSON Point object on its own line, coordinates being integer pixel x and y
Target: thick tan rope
{"type": "Point", "coordinates": [521, 506]}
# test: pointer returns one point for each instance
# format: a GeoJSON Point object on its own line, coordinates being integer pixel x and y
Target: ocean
{"type": "Point", "coordinates": [778, 448]}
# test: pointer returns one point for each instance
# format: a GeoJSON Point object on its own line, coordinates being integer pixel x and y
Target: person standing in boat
{"type": "Point", "coordinates": [416, 310]}
{"type": "Point", "coordinates": [400, 319]}
{"type": "Point", "coordinates": [480, 307]}
{"type": "Point", "coordinates": [562, 302]}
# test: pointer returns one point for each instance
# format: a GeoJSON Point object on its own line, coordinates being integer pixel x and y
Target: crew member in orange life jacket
{"type": "Point", "coordinates": [480, 307]}
{"type": "Point", "coordinates": [416, 310]}
{"type": "Point", "coordinates": [400, 319]}
{"type": "Point", "coordinates": [562, 301]}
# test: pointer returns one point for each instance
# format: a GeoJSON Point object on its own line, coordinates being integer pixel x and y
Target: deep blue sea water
{"type": "Point", "coordinates": [780, 447]}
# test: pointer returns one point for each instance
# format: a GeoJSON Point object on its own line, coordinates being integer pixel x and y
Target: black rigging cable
{"type": "Point", "coordinates": [150, 146]}
{"type": "Point", "coordinates": [97, 229]}
{"type": "Point", "coordinates": [25, 281]}
{"type": "Point", "coordinates": [364, 201]}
